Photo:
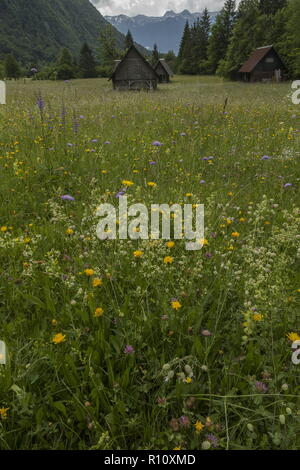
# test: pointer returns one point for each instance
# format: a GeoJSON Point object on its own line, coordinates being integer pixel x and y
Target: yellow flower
{"type": "Point", "coordinates": [54, 322]}
{"type": "Point", "coordinates": [242, 219]}
{"type": "Point", "coordinates": [189, 194]}
{"type": "Point", "coordinates": [97, 282]}
{"type": "Point", "coordinates": [258, 317]}
{"type": "Point", "coordinates": [58, 338]}
{"type": "Point", "coordinates": [293, 336]}
{"type": "Point", "coordinates": [98, 312]}
{"type": "Point", "coordinates": [3, 412]}
{"type": "Point", "coordinates": [89, 272]}
{"type": "Point", "coordinates": [151, 184]}
{"type": "Point", "coordinates": [127, 183]}
{"type": "Point", "coordinates": [188, 380]}
{"type": "Point", "coordinates": [204, 242]}
{"type": "Point", "coordinates": [3, 229]}
{"type": "Point", "coordinates": [137, 254]}
{"type": "Point", "coordinates": [27, 240]}
{"type": "Point", "coordinates": [69, 231]}
{"type": "Point", "coordinates": [177, 448]}
{"type": "Point", "coordinates": [235, 234]}
{"type": "Point", "coordinates": [230, 194]}
{"type": "Point", "coordinates": [175, 304]}
{"type": "Point", "coordinates": [170, 244]}
{"type": "Point", "coordinates": [198, 426]}
{"type": "Point", "coordinates": [168, 260]}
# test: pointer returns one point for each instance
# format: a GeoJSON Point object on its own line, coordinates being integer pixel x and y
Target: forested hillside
{"type": "Point", "coordinates": [35, 30]}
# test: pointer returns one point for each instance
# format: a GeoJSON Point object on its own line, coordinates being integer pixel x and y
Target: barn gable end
{"type": "Point", "coordinates": [133, 72]}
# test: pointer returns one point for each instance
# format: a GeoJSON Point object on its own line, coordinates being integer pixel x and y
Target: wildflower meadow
{"type": "Point", "coordinates": [141, 344]}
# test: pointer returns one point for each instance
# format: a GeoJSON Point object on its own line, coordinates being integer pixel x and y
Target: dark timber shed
{"type": "Point", "coordinates": [264, 64]}
{"type": "Point", "coordinates": [134, 72]}
{"type": "Point", "coordinates": [163, 71]}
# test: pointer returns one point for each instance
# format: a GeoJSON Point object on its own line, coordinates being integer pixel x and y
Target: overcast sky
{"type": "Point", "coordinates": [154, 7]}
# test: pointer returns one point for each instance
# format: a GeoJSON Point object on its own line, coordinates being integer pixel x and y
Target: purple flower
{"type": "Point", "coordinates": [288, 185]}
{"type": "Point", "coordinates": [120, 193]}
{"type": "Point", "coordinates": [67, 197]}
{"type": "Point", "coordinates": [107, 142]}
{"type": "Point", "coordinates": [184, 421]}
{"type": "Point", "coordinates": [128, 349]}
{"type": "Point", "coordinates": [94, 140]}
{"type": "Point", "coordinates": [152, 163]}
{"type": "Point", "coordinates": [40, 103]}
{"type": "Point", "coordinates": [265, 157]}
{"type": "Point", "coordinates": [202, 182]}
{"type": "Point", "coordinates": [69, 144]}
{"type": "Point", "coordinates": [213, 440]}
{"type": "Point", "coordinates": [261, 387]}
{"type": "Point", "coordinates": [207, 255]}
{"type": "Point", "coordinates": [156, 143]}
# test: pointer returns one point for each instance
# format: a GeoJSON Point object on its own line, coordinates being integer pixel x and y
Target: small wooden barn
{"type": "Point", "coordinates": [134, 72]}
{"type": "Point", "coordinates": [163, 71]}
{"type": "Point", "coordinates": [264, 64]}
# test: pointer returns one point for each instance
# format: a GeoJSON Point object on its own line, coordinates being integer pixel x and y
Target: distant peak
{"type": "Point", "coordinates": [170, 13]}
{"type": "Point", "coordinates": [185, 12]}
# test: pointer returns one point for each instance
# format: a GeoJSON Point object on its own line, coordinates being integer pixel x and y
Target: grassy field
{"type": "Point", "coordinates": [110, 349]}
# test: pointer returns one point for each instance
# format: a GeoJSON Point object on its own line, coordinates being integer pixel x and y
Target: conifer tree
{"type": "Point", "coordinates": [11, 67]}
{"type": "Point", "coordinates": [155, 55]}
{"type": "Point", "coordinates": [87, 65]}
{"type": "Point", "coordinates": [128, 40]}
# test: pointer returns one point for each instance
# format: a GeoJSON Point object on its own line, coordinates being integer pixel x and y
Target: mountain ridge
{"type": "Point", "coordinates": [166, 31]}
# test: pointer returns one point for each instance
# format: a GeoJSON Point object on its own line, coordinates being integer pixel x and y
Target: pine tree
{"type": "Point", "coordinates": [185, 60]}
{"type": "Point", "coordinates": [204, 31]}
{"type": "Point", "coordinates": [270, 7]}
{"type": "Point", "coordinates": [87, 65]}
{"type": "Point", "coordinates": [11, 67]}
{"type": "Point", "coordinates": [221, 34]}
{"type": "Point", "coordinates": [65, 65]}
{"type": "Point", "coordinates": [128, 40]}
{"type": "Point", "coordinates": [246, 36]}
{"type": "Point", "coordinates": [155, 55]}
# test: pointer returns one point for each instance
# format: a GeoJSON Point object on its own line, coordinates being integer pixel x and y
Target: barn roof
{"type": "Point", "coordinates": [120, 62]}
{"type": "Point", "coordinates": [165, 66]}
{"type": "Point", "coordinates": [255, 58]}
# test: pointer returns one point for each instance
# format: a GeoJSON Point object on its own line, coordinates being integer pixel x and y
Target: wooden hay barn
{"type": "Point", "coordinates": [133, 72]}
{"type": "Point", "coordinates": [163, 71]}
{"type": "Point", "coordinates": [263, 65]}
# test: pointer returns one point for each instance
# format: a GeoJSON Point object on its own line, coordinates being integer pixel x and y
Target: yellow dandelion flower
{"type": "Point", "coordinates": [98, 312]}
{"type": "Point", "coordinates": [168, 260]}
{"type": "Point", "coordinates": [97, 282]}
{"type": "Point", "coordinates": [199, 426]}
{"type": "Point", "coordinates": [170, 244]}
{"type": "Point", "coordinates": [293, 336]}
{"type": "Point", "coordinates": [54, 322]}
{"type": "Point", "coordinates": [138, 254]}
{"type": "Point", "coordinates": [69, 231]}
{"type": "Point", "coordinates": [258, 317]}
{"type": "Point", "coordinates": [27, 240]}
{"type": "Point", "coordinates": [235, 234]}
{"type": "Point", "coordinates": [3, 228]}
{"type": "Point", "coordinates": [89, 272]}
{"type": "Point", "coordinates": [3, 412]}
{"type": "Point", "coordinates": [189, 194]}
{"type": "Point", "coordinates": [58, 338]}
{"type": "Point", "coordinates": [176, 305]}
{"type": "Point", "coordinates": [188, 380]}
{"type": "Point", "coordinates": [230, 194]}
{"type": "Point", "coordinates": [151, 184]}
{"type": "Point", "coordinates": [127, 183]}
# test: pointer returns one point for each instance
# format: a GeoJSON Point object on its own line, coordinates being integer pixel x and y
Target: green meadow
{"type": "Point", "coordinates": [141, 344]}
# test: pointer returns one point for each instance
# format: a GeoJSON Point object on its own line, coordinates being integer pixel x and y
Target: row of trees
{"type": "Point", "coordinates": [223, 47]}
{"type": "Point", "coordinates": [90, 64]}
